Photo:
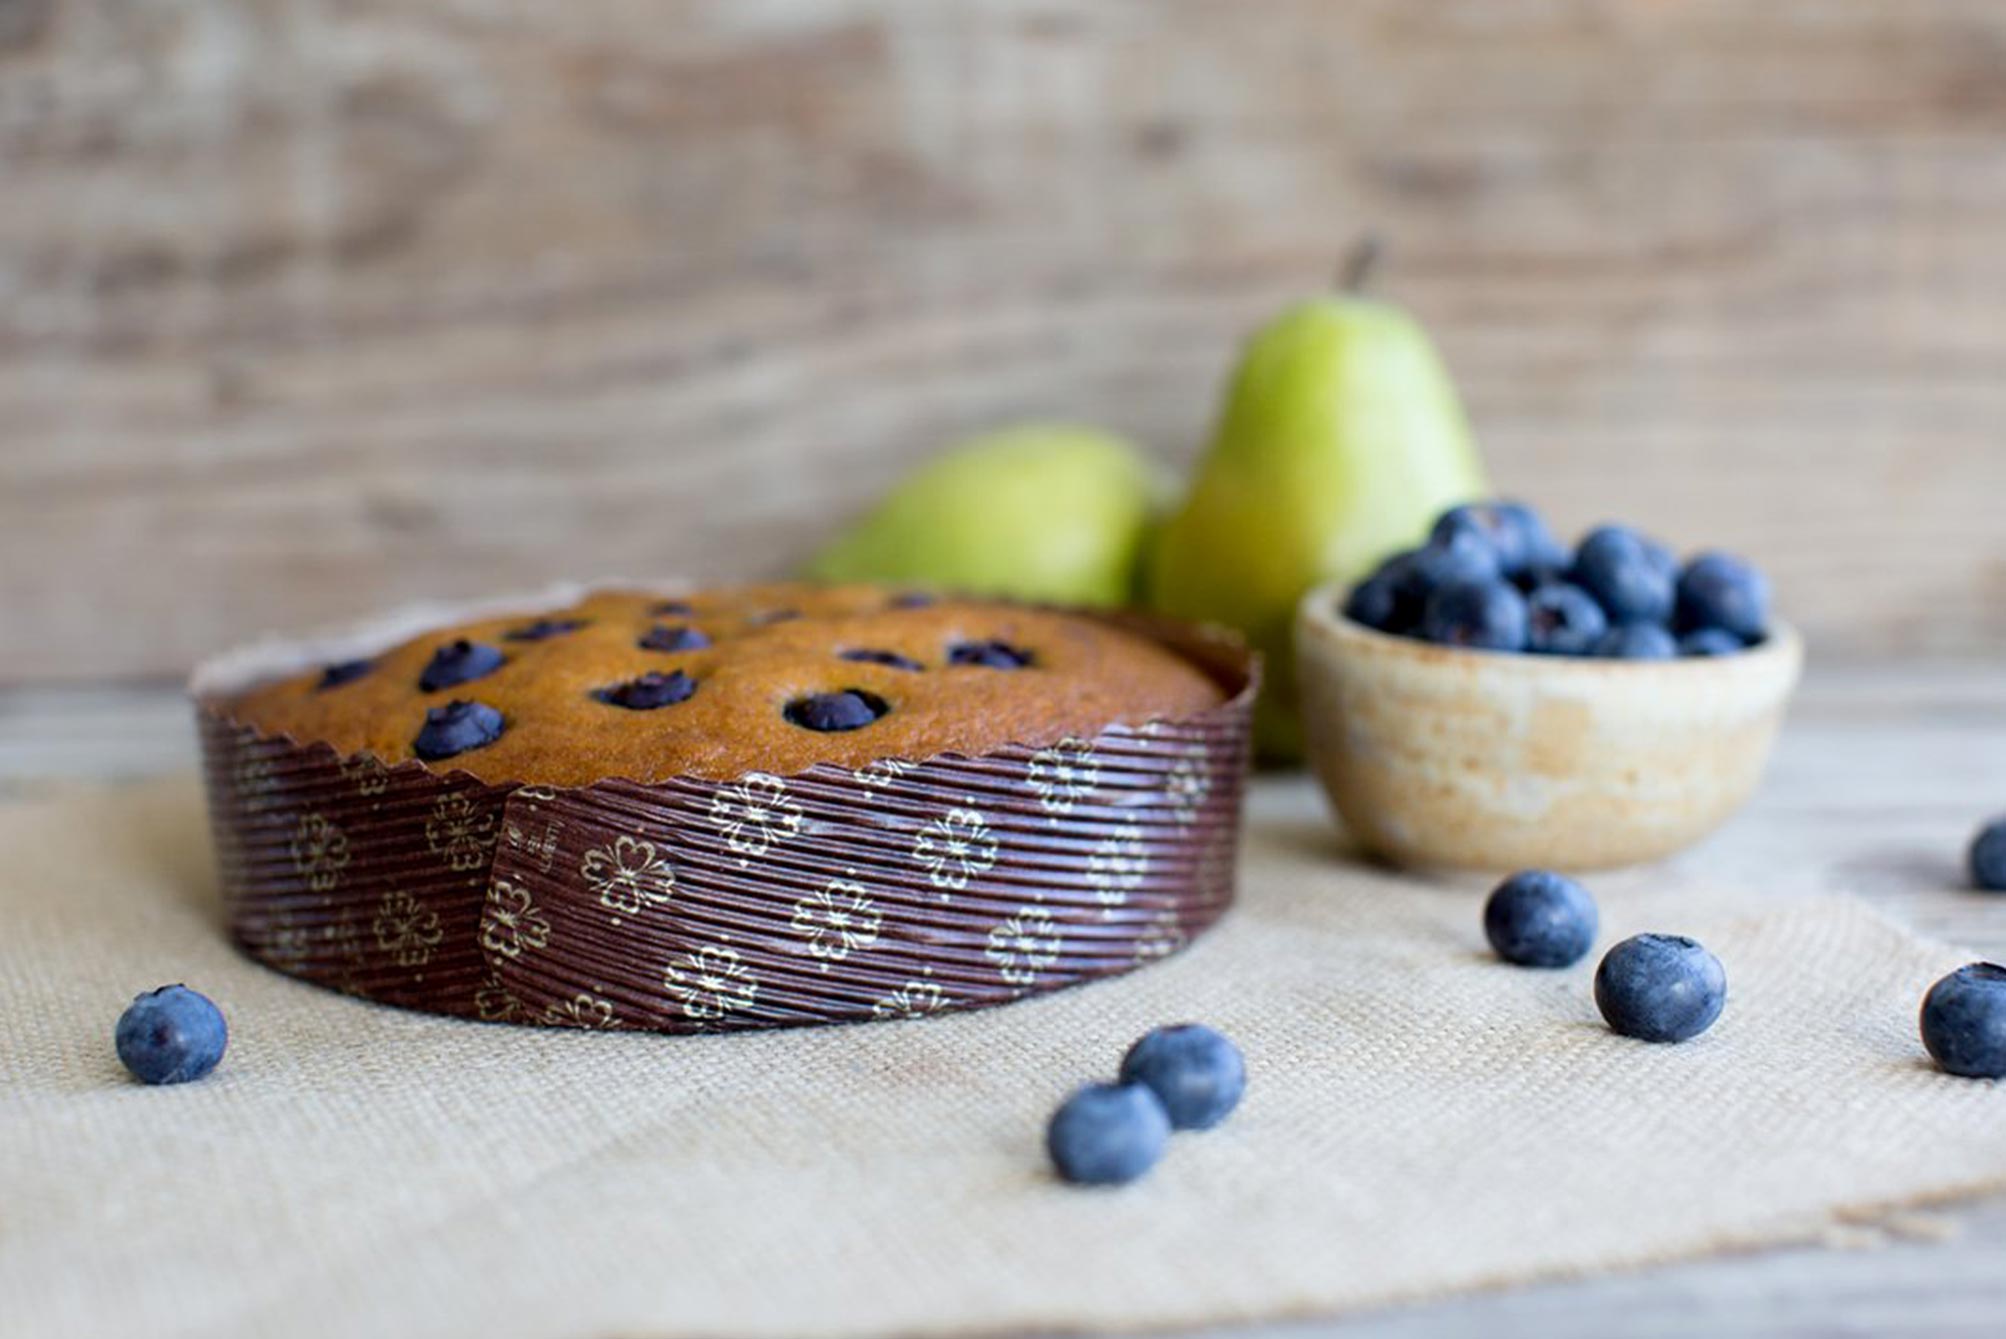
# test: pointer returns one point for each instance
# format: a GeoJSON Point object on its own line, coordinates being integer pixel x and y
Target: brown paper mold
{"type": "Point", "coordinates": [901, 888]}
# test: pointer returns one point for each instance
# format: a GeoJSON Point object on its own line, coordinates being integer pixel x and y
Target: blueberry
{"type": "Point", "coordinates": [171, 1035]}
{"type": "Point", "coordinates": [989, 655]}
{"type": "Point", "coordinates": [1107, 1134]}
{"type": "Point", "coordinates": [1483, 616]}
{"type": "Point", "coordinates": [1460, 555]}
{"type": "Point", "coordinates": [672, 609]}
{"type": "Point", "coordinates": [648, 692]}
{"type": "Point", "coordinates": [1514, 530]}
{"type": "Point", "coordinates": [1637, 641]}
{"type": "Point", "coordinates": [543, 629]}
{"type": "Point", "coordinates": [673, 637]}
{"type": "Point", "coordinates": [911, 599]}
{"type": "Point", "coordinates": [1660, 988]}
{"type": "Point", "coordinates": [341, 672]}
{"type": "Point", "coordinates": [455, 728]}
{"type": "Point", "coordinates": [1710, 642]}
{"type": "Point", "coordinates": [850, 709]}
{"type": "Point", "coordinates": [1719, 590]}
{"type": "Point", "coordinates": [870, 656]}
{"type": "Point", "coordinates": [1987, 857]}
{"type": "Point", "coordinates": [1541, 574]}
{"type": "Point", "coordinates": [1195, 1073]}
{"type": "Point", "coordinates": [1379, 602]}
{"type": "Point", "coordinates": [1536, 918]}
{"type": "Point", "coordinates": [1964, 1021]}
{"type": "Point", "coordinates": [1662, 558]}
{"type": "Point", "coordinates": [1624, 573]}
{"type": "Point", "coordinates": [1563, 620]}
{"type": "Point", "coordinates": [459, 662]}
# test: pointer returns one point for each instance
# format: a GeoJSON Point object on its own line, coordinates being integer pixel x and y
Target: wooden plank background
{"type": "Point", "coordinates": [311, 305]}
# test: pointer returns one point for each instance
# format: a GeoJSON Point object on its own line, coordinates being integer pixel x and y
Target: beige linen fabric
{"type": "Point", "coordinates": [1420, 1119]}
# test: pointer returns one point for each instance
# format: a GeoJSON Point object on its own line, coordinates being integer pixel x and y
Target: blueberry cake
{"type": "Point", "coordinates": [740, 808]}
{"type": "Point", "coordinates": [765, 678]}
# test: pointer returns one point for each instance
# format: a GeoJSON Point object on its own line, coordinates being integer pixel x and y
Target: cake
{"type": "Point", "coordinates": [747, 807]}
{"type": "Point", "coordinates": [756, 679]}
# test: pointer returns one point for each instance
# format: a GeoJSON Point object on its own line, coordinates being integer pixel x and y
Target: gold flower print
{"type": "Point", "coordinates": [458, 832]}
{"type": "Point", "coordinates": [1160, 938]}
{"type": "Point", "coordinates": [628, 874]}
{"type": "Point", "coordinates": [581, 1010]}
{"type": "Point", "coordinates": [511, 921]}
{"type": "Point", "coordinates": [1024, 945]}
{"type": "Point", "coordinates": [252, 782]}
{"type": "Point", "coordinates": [955, 848]}
{"type": "Point", "coordinates": [882, 773]}
{"type": "Point", "coordinates": [711, 982]}
{"type": "Point", "coordinates": [287, 945]}
{"type": "Point", "coordinates": [1063, 775]}
{"type": "Point", "coordinates": [405, 929]}
{"type": "Point", "coordinates": [496, 1003]}
{"type": "Point", "coordinates": [755, 813]}
{"type": "Point", "coordinates": [1186, 788]}
{"type": "Point", "coordinates": [837, 921]}
{"type": "Point", "coordinates": [320, 852]}
{"type": "Point", "coordinates": [914, 999]}
{"type": "Point", "coordinates": [367, 773]}
{"type": "Point", "coordinates": [1115, 867]}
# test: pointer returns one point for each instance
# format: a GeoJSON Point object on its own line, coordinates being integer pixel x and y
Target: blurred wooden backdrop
{"type": "Point", "coordinates": [311, 305]}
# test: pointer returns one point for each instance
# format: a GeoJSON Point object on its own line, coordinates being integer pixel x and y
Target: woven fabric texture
{"type": "Point", "coordinates": [1420, 1119]}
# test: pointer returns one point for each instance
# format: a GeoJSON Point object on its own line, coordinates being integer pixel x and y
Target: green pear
{"type": "Point", "coordinates": [1048, 512]}
{"type": "Point", "coordinates": [1340, 440]}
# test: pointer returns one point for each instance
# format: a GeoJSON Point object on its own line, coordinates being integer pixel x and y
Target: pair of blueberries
{"type": "Point", "coordinates": [1667, 988]}
{"type": "Point", "coordinates": [1661, 988]}
{"type": "Point", "coordinates": [1492, 578]}
{"type": "Point", "coordinates": [1964, 1015]}
{"type": "Point", "coordinates": [1184, 1077]}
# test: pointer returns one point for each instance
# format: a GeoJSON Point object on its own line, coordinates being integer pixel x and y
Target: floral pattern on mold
{"type": "Point", "coordinates": [628, 874]}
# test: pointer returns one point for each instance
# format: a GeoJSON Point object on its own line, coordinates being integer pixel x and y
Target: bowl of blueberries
{"type": "Point", "coordinates": [1493, 699]}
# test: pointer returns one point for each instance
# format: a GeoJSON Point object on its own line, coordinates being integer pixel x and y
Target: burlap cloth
{"type": "Point", "coordinates": [1420, 1119]}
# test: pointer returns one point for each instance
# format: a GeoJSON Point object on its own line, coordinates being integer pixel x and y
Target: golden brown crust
{"type": "Point", "coordinates": [1085, 675]}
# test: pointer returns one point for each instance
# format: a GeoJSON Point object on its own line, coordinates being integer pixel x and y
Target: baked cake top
{"type": "Point", "coordinates": [720, 683]}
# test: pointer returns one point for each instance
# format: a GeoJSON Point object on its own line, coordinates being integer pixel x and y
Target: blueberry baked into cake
{"type": "Point", "coordinates": [748, 807]}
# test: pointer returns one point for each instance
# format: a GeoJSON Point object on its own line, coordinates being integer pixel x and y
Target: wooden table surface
{"type": "Point", "coordinates": [1881, 777]}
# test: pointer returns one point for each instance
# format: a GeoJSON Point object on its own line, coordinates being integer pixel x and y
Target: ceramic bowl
{"type": "Point", "coordinates": [1439, 756]}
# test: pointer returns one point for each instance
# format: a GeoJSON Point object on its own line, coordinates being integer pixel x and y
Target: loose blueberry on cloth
{"type": "Point", "coordinates": [1964, 1021]}
{"type": "Point", "coordinates": [1107, 1134]}
{"type": "Point", "coordinates": [1662, 988]}
{"type": "Point", "coordinates": [1537, 918]}
{"type": "Point", "coordinates": [171, 1035]}
{"type": "Point", "coordinates": [1987, 857]}
{"type": "Point", "coordinates": [1196, 1073]}
{"type": "Point", "coordinates": [1491, 578]}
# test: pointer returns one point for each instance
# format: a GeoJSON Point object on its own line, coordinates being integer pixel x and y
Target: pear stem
{"type": "Point", "coordinates": [1360, 262]}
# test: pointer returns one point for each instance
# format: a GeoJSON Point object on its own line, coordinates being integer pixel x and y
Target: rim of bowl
{"type": "Point", "coordinates": [1322, 608]}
